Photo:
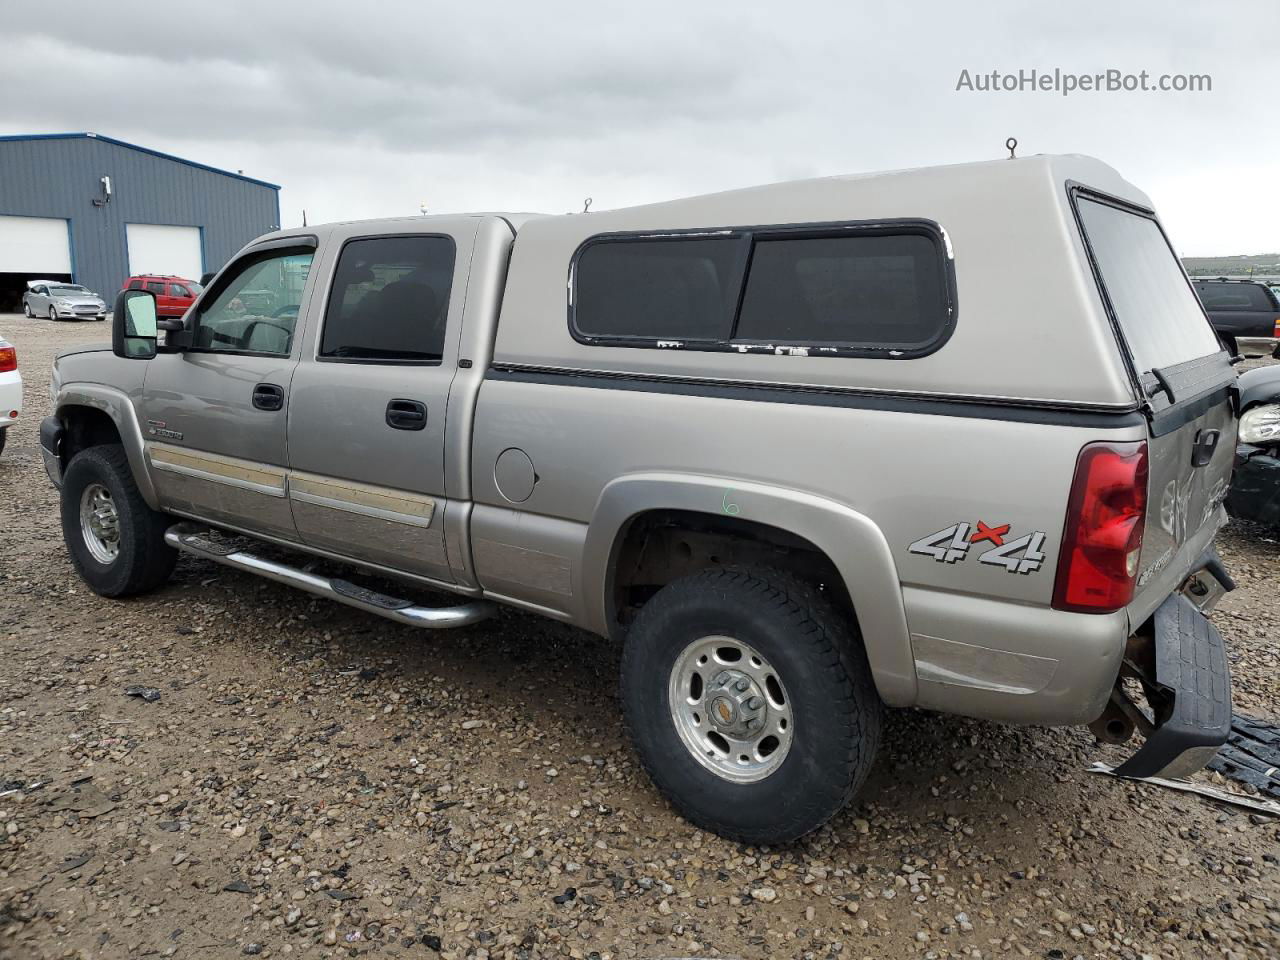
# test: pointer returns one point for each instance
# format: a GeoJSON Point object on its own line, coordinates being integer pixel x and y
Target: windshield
{"type": "Point", "coordinates": [68, 290]}
{"type": "Point", "coordinates": [1157, 310]}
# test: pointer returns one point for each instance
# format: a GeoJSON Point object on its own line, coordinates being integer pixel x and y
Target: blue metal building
{"type": "Point", "coordinates": [95, 210]}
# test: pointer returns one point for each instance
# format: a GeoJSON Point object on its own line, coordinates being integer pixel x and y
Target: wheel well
{"type": "Point", "coordinates": [84, 427]}
{"type": "Point", "coordinates": [660, 546]}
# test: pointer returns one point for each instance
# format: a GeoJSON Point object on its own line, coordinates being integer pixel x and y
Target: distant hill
{"type": "Point", "coordinates": [1259, 264]}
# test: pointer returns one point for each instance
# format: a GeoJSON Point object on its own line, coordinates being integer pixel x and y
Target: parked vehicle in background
{"type": "Point", "coordinates": [62, 301]}
{"type": "Point", "coordinates": [798, 448]}
{"type": "Point", "coordinates": [174, 295]}
{"type": "Point", "coordinates": [1255, 487]}
{"type": "Point", "coordinates": [1240, 309]}
{"type": "Point", "coordinates": [10, 389]}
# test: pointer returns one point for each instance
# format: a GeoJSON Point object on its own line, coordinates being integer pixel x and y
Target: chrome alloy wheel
{"type": "Point", "coordinates": [730, 709]}
{"type": "Point", "coordinates": [100, 523]}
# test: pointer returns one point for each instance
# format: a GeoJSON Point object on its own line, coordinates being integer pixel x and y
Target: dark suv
{"type": "Point", "coordinates": [1240, 308]}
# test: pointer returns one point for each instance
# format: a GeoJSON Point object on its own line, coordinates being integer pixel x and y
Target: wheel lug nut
{"type": "Point", "coordinates": [753, 723]}
{"type": "Point", "coordinates": [741, 686]}
{"type": "Point", "coordinates": [755, 703]}
{"type": "Point", "coordinates": [722, 679]}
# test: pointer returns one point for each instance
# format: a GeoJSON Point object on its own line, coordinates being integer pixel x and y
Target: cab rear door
{"type": "Point", "coordinates": [367, 418]}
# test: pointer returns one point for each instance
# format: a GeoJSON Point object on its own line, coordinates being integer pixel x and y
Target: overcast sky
{"type": "Point", "coordinates": [374, 108]}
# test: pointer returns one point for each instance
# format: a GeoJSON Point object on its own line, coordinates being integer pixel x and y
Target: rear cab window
{"type": "Point", "coordinates": [883, 289]}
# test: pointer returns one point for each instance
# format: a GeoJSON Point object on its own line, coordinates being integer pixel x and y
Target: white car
{"type": "Point", "coordinates": [10, 388]}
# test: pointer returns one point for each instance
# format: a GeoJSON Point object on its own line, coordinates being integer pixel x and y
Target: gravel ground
{"type": "Point", "coordinates": [316, 782]}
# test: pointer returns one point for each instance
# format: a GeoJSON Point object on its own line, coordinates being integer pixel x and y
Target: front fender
{"type": "Point", "coordinates": [117, 405]}
{"type": "Point", "coordinates": [852, 542]}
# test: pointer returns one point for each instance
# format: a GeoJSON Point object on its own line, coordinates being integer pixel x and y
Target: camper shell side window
{"type": "Point", "coordinates": [878, 289]}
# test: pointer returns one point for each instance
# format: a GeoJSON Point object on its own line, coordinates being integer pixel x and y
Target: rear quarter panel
{"type": "Point", "coordinates": [913, 474]}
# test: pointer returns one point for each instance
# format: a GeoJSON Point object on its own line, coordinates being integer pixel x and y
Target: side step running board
{"type": "Point", "coordinates": [189, 539]}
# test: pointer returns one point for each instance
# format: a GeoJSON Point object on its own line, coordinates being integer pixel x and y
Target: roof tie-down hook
{"type": "Point", "coordinates": [1011, 145]}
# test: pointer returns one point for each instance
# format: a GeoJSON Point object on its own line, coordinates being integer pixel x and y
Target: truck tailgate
{"type": "Point", "coordinates": [1190, 451]}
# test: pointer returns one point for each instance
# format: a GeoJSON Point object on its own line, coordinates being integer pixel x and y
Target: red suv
{"type": "Point", "coordinates": [173, 294]}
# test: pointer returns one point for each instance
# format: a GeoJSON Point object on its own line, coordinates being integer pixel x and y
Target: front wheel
{"type": "Point", "coordinates": [115, 540]}
{"type": "Point", "coordinates": [750, 702]}
{"type": "Point", "coordinates": [26, 308]}
{"type": "Point", "coordinates": [53, 312]}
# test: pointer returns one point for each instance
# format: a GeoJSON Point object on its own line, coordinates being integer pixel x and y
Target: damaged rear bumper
{"type": "Point", "coordinates": [1182, 665]}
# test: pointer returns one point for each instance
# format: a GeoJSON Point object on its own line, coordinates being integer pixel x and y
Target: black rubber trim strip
{"type": "Point", "coordinates": [822, 397]}
{"type": "Point", "coordinates": [1173, 418]}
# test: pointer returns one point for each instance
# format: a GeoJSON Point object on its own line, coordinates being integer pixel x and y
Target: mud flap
{"type": "Point", "coordinates": [1192, 677]}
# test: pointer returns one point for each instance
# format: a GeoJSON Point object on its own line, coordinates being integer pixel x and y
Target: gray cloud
{"type": "Point", "coordinates": [369, 110]}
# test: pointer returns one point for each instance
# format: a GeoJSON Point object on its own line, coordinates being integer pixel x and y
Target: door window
{"type": "Point", "coordinates": [156, 287]}
{"type": "Point", "coordinates": [178, 290]}
{"type": "Point", "coordinates": [389, 301]}
{"type": "Point", "coordinates": [135, 284]}
{"type": "Point", "coordinates": [257, 311]}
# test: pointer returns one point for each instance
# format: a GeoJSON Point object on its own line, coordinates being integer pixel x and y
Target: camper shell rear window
{"type": "Point", "coordinates": [883, 289]}
{"type": "Point", "coordinates": [1157, 312]}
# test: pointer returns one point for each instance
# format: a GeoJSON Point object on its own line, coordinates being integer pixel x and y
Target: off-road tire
{"type": "Point", "coordinates": [821, 662]}
{"type": "Point", "coordinates": [144, 561]}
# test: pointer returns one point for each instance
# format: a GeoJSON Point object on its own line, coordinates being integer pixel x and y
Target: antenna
{"type": "Point", "coordinates": [422, 208]}
{"type": "Point", "coordinates": [304, 217]}
{"type": "Point", "coordinates": [586, 205]}
{"type": "Point", "coordinates": [1011, 145]}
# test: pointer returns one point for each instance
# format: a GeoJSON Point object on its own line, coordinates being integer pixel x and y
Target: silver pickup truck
{"type": "Point", "coordinates": [952, 438]}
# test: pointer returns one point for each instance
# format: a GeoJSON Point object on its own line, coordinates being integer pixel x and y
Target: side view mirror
{"type": "Point", "coordinates": [133, 325]}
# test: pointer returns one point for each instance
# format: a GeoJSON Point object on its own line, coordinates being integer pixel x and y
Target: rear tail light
{"type": "Point", "coordinates": [8, 359]}
{"type": "Point", "coordinates": [1098, 565]}
{"type": "Point", "coordinates": [1276, 330]}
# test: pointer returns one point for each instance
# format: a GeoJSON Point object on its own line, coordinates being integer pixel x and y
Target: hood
{"type": "Point", "coordinates": [80, 299]}
{"type": "Point", "coordinates": [1261, 385]}
{"type": "Point", "coordinates": [84, 348]}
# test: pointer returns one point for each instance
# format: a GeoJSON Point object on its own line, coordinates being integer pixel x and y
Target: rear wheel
{"type": "Point", "coordinates": [116, 541]}
{"type": "Point", "coordinates": [750, 702]}
{"type": "Point", "coordinates": [3, 433]}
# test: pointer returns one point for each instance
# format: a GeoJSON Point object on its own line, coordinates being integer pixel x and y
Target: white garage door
{"type": "Point", "coordinates": [34, 245]}
{"type": "Point", "coordinates": [168, 251]}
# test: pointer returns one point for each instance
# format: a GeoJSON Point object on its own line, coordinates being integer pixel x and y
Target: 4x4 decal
{"type": "Point", "coordinates": [1023, 554]}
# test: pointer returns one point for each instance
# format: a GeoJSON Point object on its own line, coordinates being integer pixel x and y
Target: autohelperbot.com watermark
{"type": "Point", "coordinates": [1065, 82]}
